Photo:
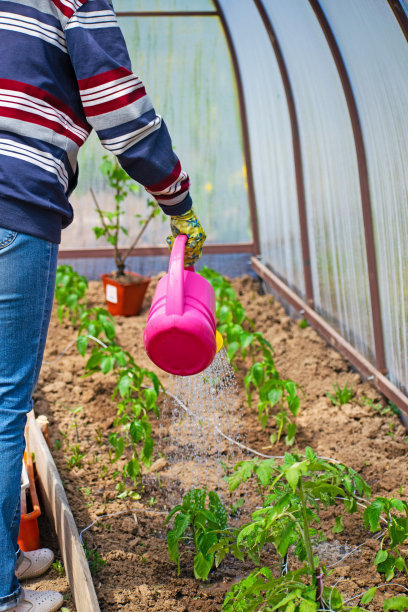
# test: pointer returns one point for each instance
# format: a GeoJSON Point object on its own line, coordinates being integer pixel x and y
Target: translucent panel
{"type": "Point", "coordinates": [271, 143]}
{"type": "Point", "coordinates": [376, 56]}
{"type": "Point", "coordinates": [335, 226]}
{"type": "Point", "coordinates": [186, 67]}
{"type": "Point", "coordinates": [163, 5]}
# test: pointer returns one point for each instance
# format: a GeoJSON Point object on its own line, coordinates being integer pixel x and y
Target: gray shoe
{"type": "Point", "coordinates": [40, 601]}
{"type": "Point", "coordinates": [34, 563]}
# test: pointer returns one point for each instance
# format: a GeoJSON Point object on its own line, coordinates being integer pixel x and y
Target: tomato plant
{"type": "Point", "coordinates": [70, 294]}
{"type": "Point", "coordinates": [295, 492]}
{"type": "Point", "coordinates": [389, 558]}
{"type": "Point", "coordinates": [240, 338]}
{"type": "Point", "coordinates": [204, 522]}
{"type": "Point", "coordinates": [274, 391]}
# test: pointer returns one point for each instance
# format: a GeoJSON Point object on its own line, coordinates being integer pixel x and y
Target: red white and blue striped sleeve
{"type": "Point", "coordinates": [117, 106]}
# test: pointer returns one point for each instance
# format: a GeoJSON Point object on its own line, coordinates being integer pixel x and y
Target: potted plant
{"type": "Point", "coordinates": [124, 290]}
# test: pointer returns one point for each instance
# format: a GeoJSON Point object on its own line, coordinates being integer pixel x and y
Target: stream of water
{"type": "Point", "coordinates": [201, 406]}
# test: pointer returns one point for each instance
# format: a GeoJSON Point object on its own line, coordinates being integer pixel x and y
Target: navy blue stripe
{"type": "Point", "coordinates": [101, 41]}
{"type": "Point", "coordinates": [152, 159]}
{"type": "Point", "coordinates": [32, 220]}
{"type": "Point", "coordinates": [47, 68]}
{"type": "Point", "coordinates": [129, 126]}
{"type": "Point", "coordinates": [178, 209]}
{"type": "Point", "coordinates": [28, 11]}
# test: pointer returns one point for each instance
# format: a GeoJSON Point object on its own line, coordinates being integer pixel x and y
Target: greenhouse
{"type": "Point", "coordinates": [233, 438]}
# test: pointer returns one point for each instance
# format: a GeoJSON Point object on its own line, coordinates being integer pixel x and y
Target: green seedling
{"type": "Point", "coordinates": [303, 324]}
{"type": "Point", "coordinates": [136, 406]}
{"type": "Point", "coordinates": [75, 411]}
{"type": "Point", "coordinates": [389, 558]}
{"type": "Point", "coordinates": [124, 493]}
{"type": "Point", "coordinates": [274, 391]}
{"type": "Point", "coordinates": [99, 436]}
{"type": "Point", "coordinates": [379, 406]}
{"type": "Point", "coordinates": [94, 559]}
{"type": "Point", "coordinates": [296, 491]}
{"type": "Point", "coordinates": [59, 568]}
{"type": "Point", "coordinates": [70, 294]}
{"type": "Point", "coordinates": [201, 523]}
{"type": "Point", "coordinates": [87, 491]}
{"type": "Point", "coordinates": [391, 427]}
{"type": "Point", "coordinates": [235, 327]}
{"type": "Point", "coordinates": [342, 395]}
{"type": "Point", "coordinates": [235, 507]}
{"type": "Point", "coordinates": [75, 460]}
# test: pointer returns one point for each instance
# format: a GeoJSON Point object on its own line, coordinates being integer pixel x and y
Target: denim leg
{"type": "Point", "coordinates": [27, 280]}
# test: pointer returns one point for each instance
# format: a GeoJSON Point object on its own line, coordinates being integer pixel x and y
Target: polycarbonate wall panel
{"type": "Point", "coordinates": [270, 141]}
{"type": "Point", "coordinates": [186, 67]}
{"type": "Point", "coordinates": [376, 56]}
{"type": "Point", "coordinates": [335, 224]}
{"type": "Point", "coordinates": [162, 5]}
{"type": "Point", "coordinates": [405, 5]}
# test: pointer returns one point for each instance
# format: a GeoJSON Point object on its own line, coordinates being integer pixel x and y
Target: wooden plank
{"type": "Point", "coordinates": [59, 512]}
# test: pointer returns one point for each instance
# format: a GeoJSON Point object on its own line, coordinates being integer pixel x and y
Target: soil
{"type": "Point", "coordinates": [137, 574]}
{"type": "Point", "coordinates": [127, 278]}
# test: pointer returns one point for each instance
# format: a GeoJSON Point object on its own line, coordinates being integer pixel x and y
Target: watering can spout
{"type": "Point", "coordinates": [180, 334]}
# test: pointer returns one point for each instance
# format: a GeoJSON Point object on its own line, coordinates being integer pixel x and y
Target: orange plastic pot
{"type": "Point", "coordinates": [125, 298]}
{"type": "Point", "coordinates": [29, 535]}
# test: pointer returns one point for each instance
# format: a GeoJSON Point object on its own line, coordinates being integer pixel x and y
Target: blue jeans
{"type": "Point", "coordinates": [27, 280]}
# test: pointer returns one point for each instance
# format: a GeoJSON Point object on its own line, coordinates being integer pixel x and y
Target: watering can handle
{"type": "Point", "coordinates": [175, 277]}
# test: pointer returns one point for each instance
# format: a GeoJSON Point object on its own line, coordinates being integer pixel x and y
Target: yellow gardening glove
{"type": "Point", "coordinates": [189, 225]}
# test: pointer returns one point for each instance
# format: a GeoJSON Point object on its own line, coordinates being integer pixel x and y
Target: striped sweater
{"type": "Point", "coordinates": [65, 70]}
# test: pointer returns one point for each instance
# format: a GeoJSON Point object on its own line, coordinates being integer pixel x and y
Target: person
{"type": "Point", "coordinates": [64, 71]}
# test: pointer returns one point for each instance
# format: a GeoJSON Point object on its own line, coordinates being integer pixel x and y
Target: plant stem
{"type": "Point", "coordinates": [98, 208]}
{"type": "Point", "coordinates": [306, 532]}
{"type": "Point", "coordinates": [118, 260]}
{"type": "Point", "coordinates": [140, 234]}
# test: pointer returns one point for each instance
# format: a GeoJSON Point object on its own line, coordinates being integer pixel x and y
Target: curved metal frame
{"type": "Point", "coordinates": [245, 131]}
{"type": "Point", "coordinates": [363, 180]}
{"type": "Point", "coordinates": [400, 16]}
{"type": "Point", "coordinates": [297, 152]}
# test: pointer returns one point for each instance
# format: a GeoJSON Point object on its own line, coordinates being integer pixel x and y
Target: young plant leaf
{"type": "Point", "coordinates": [368, 595]}
{"type": "Point", "coordinates": [396, 603]}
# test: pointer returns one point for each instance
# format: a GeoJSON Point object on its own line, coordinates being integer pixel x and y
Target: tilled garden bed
{"type": "Point", "coordinates": [128, 549]}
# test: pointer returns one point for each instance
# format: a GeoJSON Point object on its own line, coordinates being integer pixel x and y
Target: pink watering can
{"type": "Point", "coordinates": [180, 334]}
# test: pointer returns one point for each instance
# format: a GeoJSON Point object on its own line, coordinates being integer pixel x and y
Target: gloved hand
{"type": "Point", "coordinates": [189, 225]}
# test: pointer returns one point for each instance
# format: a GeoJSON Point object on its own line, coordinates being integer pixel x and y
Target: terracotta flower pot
{"type": "Point", "coordinates": [125, 297]}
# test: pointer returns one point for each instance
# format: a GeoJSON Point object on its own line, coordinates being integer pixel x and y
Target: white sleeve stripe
{"type": "Point", "coordinates": [97, 88]}
{"type": "Point", "coordinates": [92, 26]}
{"type": "Point", "coordinates": [176, 200]}
{"type": "Point", "coordinates": [122, 143]}
{"type": "Point", "coordinates": [113, 96]}
{"type": "Point", "coordinates": [109, 89]}
{"type": "Point", "coordinates": [91, 14]}
{"type": "Point", "coordinates": [173, 187]}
